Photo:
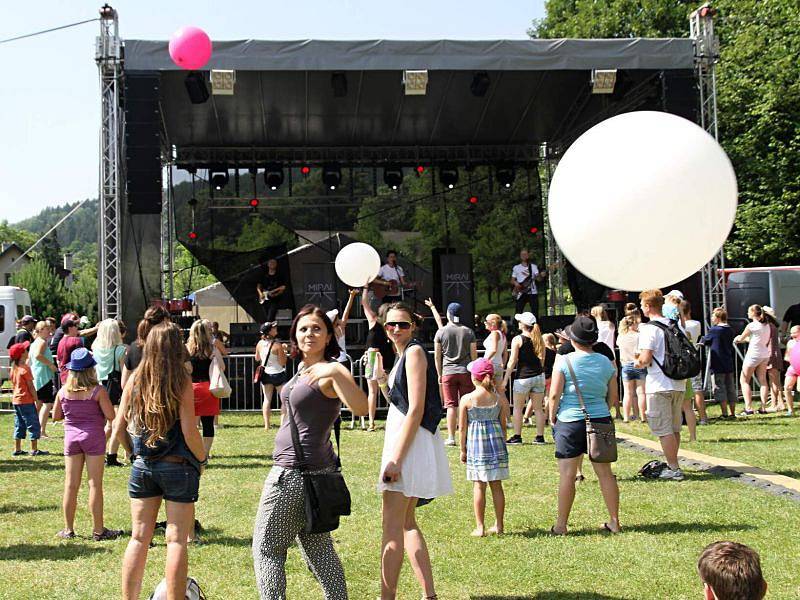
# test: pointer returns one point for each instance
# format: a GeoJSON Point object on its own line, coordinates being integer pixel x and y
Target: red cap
{"type": "Point", "coordinates": [17, 350]}
{"type": "Point", "coordinates": [480, 368]}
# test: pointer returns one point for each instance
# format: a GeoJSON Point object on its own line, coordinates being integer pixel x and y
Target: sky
{"type": "Point", "coordinates": [49, 98]}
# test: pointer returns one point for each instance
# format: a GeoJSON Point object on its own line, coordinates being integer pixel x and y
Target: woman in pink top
{"type": "Point", "coordinates": [85, 407]}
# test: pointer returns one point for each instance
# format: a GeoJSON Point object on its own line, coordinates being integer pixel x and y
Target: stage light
{"type": "Point", "coordinates": [339, 84]}
{"type": "Point", "coordinates": [534, 230]}
{"type": "Point", "coordinates": [480, 84]}
{"type": "Point", "coordinates": [196, 87]}
{"type": "Point", "coordinates": [448, 175]}
{"type": "Point", "coordinates": [473, 199]}
{"type": "Point", "coordinates": [192, 235]}
{"type": "Point", "coordinates": [603, 81]}
{"type": "Point", "coordinates": [254, 203]}
{"type": "Point", "coordinates": [419, 170]}
{"type": "Point", "coordinates": [415, 82]}
{"type": "Point", "coordinates": [393, 176]}
{"type": "Point", "coordinates": [222, 82]}
{"type": "Point", "coordinates": [273, 176]}
{"type": "Point", "coordinates": [305, 170]}
{"type": "Point", "coordinates": [331, 176]}
{"type": "Point", "coordinates": [505, 175]}
{"type": "Point", "coordinates": [219, 177]}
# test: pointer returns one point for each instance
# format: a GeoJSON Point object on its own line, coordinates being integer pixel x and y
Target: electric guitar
{"type": "Point", "coordinates": [268, 295]}
{"type": "Point", "coordinates": [389, 287]}
{"type": "Point", "coordinates": [522, 287]}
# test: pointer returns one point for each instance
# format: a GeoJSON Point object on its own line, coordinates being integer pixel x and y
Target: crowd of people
{"type": "Point", "coordinates": [152, 398]}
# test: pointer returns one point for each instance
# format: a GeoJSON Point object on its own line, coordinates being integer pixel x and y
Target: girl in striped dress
{"type": "Point", "coordinates": [483, 415]}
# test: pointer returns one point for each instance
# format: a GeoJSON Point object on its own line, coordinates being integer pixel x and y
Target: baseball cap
{"type": "Point", "coordinates": [266, 327]}
{"type": "Point", "coordinates": [17, 350]}
{"type": "Point", "coordinates": [27, 319]}
{"type": "Point", "coordinates": [480, 368]}
{"type": "Point", "coordinates": [676, 293]}
{"type": "Point", "coordinates": [454, 311]}
{"type": "Point", "coordinates": [69, 320]}
{"type": "Point", "coordinates": [528, 318]}
{"type": "Point", "coordinates": [332, 314]}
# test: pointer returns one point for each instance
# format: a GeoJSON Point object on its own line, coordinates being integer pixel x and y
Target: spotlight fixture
{"type": "Point", "coordinates": [419, 170]}
{"type": "Point", "coordinates": [222, 82]}
{"type": "Point", "coordinates": [219, 177]}
{"type": "Point", "coordinates": [331, 176]}
{"type": "Point", "coordinates": [534, 230]}
{"type": "Point", "coordinates": [196, 87]}
{"type": "Point", "coordinates": [339, 84]}
{"type": "Point", "coordinates": [393, 176]}
{"type": "Point", "coordinates": [448, 175]}
{"type": "Point", "coordinates": [305, 170]}
{"type": "Point", "coordinates": [480, 84]}
{"type": "Point", "coordinates": [505, 175]}
{"type": "Point", "coordinates": [254, 203]}
{"type": "Point", "coordinates": [415, 82]}
{"type": "Point", "coordinates": [603, 81]}
{"type": "Point", "coordinates": [473, 199]}
{"type": "Point", "coordinates": [273, 176]}
{"type": "Point", "coordinates": [192, 235]}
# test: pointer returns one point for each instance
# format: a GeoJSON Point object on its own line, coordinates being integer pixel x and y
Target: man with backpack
{"type": "Point", "coordinates": [669, 358]}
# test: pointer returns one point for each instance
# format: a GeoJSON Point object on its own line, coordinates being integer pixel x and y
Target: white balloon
{"type": "Point", "coordinates": [642, 200]}
{"type": "Point", "coordinates": [357, 264]}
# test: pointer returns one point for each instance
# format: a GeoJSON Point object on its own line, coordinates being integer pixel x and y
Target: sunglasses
{"type": "Point", "coordinates": [398, 325]}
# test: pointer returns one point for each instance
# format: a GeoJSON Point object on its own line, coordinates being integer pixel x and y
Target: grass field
{"type": "Point", "coordinates": [666, 525]}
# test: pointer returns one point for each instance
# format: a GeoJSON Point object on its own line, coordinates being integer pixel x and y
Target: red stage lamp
{"type": "Point", "coordinates": [192, 235]}
{"type": "Point", "coordinates": [473, 199]}
{"type": "Point", "coordinates": [534, 230]}
{"type": "Point", "coordinates": [254, 202]}
{"type": "Point", "coordinates": [419, 170]}
{"type": "Point", "coordinates": [305, 170]}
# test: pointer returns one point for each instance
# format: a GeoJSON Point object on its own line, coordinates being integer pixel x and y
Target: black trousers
{"type": "Point", "coordinates": [532, 299]}
{"type": "Point", "coordinates": [270, 308]}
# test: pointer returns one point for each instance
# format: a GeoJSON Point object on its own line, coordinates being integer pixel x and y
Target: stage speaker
{"type": "Point", "coordinates": [453, 272]}
{"type": "Point", "coordinates": [143, 179]}
{"type": "Point", "coordinates": [244, 335]}
{"type": "Point", "coordinates": [549, 323]}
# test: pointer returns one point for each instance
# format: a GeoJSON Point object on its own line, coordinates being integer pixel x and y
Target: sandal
{"type": "Point", "coordinates": [553, 532]}
{"type": "Point", "coordinates": [607, 529]}
{"type": "Point", "coordinates": [66, 534]}
{"type": "Point", "coordinates": [106, 534]}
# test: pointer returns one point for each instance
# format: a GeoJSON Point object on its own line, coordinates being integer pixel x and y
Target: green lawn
{"type": "Point", "coordinates": [667, 524]}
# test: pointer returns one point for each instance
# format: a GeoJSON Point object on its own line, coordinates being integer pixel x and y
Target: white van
{"type": "Point", "coordinates": [15, 303]}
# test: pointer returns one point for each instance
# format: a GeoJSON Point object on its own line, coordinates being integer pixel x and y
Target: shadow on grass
{"type": "Point", "coordinates": [551, 595]}
{"type": "Point", "coordinates": [36, 552]}
{"type": "Point", "coordinates": [17, 465]}
{"type": "Point", "coordinates": [212, 537]}
{"type": "Point", "coordinates": [750, 439]}
{"type": "Point", "coordinates": [22, 509]}
{"type": "Point", "coordinates": [266, 456]}
{"type": "Point", "coordinates": [652, 528]}
{"type": "Point", "coordinates": [789, 473]}
{"type": "Point", "coordinates": [213, 465]}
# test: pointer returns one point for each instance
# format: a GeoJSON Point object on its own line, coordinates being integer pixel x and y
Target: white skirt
{"type": "Point", "coordinates": [425, 472]}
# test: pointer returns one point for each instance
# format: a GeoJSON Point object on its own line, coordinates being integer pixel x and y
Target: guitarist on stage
{"type": "Point", "coordinates": [392, 278]}
{"type": "Point", "coordinates": [523, 281]}
{"type": "Point", "coordinates": [270, 290]}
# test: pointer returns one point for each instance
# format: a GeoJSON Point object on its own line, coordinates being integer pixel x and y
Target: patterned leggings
{"type": "Point", "coordinates": [280, 520]}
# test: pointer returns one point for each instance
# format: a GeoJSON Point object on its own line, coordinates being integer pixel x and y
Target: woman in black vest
{"type": "Point", "coordinates": [414, 466]}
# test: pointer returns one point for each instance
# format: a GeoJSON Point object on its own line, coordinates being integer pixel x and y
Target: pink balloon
{"type": "Point", "coordinates": [190, 48]}
{"type": "Point", "coordinates": [794, 357]}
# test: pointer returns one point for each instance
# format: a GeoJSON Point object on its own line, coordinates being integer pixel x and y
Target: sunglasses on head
{"type": "Point", "coordinates": [398, 324]}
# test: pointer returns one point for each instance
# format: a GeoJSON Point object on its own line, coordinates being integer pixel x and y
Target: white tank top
{"type": "Point", "coordinates": [759, 340]}
{"type": "Point", "coordinates": [340, 339]}
{"type": "Point", "coordinates": [272, 365]}
{"type": "Point", "coordinates": [497, 359]}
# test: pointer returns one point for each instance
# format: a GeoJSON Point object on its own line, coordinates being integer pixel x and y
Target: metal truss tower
{"type": "Point", "coordinates": [108, 57]}
{"type": "Point", "coordinates": [554, 260]}
{"type": "Point", "coordinates": [706, 56]}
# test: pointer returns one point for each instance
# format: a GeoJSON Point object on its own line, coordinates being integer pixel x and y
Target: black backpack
{"type": "Point", "coordinates": [681, 358]}
{"type": "Point", "coordinates": [652, 469]}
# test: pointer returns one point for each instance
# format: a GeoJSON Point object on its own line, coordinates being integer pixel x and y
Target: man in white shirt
{"type": "Point", "coordinates": [392, 276]}
{"type": "Point", "coordinates": [664, 395]}
{"type": "Point", "coordinates": [523, 281]}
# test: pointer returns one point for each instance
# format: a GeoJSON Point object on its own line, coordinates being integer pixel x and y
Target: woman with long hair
{"type": "Point", "coordinates": [85, 407]}
{"type": "Point", "coordinates": [43, 366]}
{"type": "Point", "coordinates": [775, 364]}
{"type": "Point", "coordinates": [633, 400]}
{"type": "Point", "coordinates": [377, 341]}
{"type": "Point", "coordinates": [109, 352]}
{"type": "Point", "coordinates": [152, 317]}
{"type": "Point", "coordinates": [201, 352]}
{"type": "Point", "coordinates": [157, 410]}
{"type": "Point", "coordinates": [271, 355]}
{"type": "Point", "coordinates": [756, 358]}
{"type": "Point", "coordinates": [495, 348]}
{"type": "Point", "coordinates": [527, 358]}
{"type": "Point", "coordinates": [315, 394]}
{"type": "Point", "coordinates": [414, 468]}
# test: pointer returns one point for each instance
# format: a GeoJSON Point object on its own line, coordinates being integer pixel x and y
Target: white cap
{"type": "Point", "coordinates": [676, 293]}
{"type": "Point", "coordinates": [527, 318]}
{"type": "Point", "coordinates": [332, 314]}
{"type": "Point", "coordinates": [770, 311]}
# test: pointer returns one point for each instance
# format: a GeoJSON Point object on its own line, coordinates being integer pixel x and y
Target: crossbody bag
{"type": "Point", "coordinates": [601, 438]}
{"type": "Point", "coordinates": [326, 495]}
{"type": "Point", "coordinates": [258, 376]}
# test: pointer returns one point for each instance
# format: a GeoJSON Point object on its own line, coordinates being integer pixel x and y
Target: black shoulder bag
{"type": "Point", "coordinates": [326, 495]}
{"type": "Point", "coordinates": [114, 381]}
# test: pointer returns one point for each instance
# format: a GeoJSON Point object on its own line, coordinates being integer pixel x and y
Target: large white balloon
{"type": "Point", "coordinates": [642, 200]}
{"type": "Point", "coordinates": [357, 264]}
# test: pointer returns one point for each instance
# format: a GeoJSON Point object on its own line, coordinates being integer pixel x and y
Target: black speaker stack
{"type": "Point", "coordinates": [143, 179]}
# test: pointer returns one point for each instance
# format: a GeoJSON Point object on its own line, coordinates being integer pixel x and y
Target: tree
{"type": "Point", "coordinates": [82, 294]}
{"type": "Point", "coordinates": [46, 289]}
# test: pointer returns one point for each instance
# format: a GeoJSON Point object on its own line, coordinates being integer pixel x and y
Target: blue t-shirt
{"type": "Point", "coordinates": [720, 339]}
{"type": "Point", "coordinates": [593, 372]}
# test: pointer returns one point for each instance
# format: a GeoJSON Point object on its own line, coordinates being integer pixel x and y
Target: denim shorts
{"type": "Point", "coordinates": [176, 482]}
{"type": "Point", "coordinates": [530, 385]}
{"type": "Point", "coordinates": [570, 437]}
{"type": "Point", "coordinates": [631, 373]}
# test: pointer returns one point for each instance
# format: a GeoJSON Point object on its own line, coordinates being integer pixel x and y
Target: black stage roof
{"type": "Point", "coordinates": [284, 107]}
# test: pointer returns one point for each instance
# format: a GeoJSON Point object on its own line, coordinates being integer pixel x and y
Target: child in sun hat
{"type": "Point", "coordinates": [24, 400]}
{"type": "Point", "coordinates": [85, 407]}
{"type": "Point", "coordinates": [483, 415]}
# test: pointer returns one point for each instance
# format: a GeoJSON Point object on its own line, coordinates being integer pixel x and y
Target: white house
{"type": "Point", "coordinates": [10, 261]}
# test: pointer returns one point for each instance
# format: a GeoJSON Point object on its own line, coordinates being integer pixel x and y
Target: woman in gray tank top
{"type": "Point", "coordinates": [315, 394]}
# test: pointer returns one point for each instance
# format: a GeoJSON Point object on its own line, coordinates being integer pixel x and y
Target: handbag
{"type": "Point", "coordinates": [601, 438]}
{"type": "Point", "coordinates": [218, 384]}
{"type": "Point", "coordinates": [113, 383]}
{"type": "Point", "coordinates": [326, 495]}
{"type": "Point", "coordinates": [258, 376]}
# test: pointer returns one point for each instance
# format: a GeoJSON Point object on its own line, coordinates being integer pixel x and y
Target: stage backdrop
{"type": "Point", "coordinates": [454, 273]}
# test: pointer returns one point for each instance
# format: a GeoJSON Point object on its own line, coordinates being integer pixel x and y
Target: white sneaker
{"type": "Point", "coordinates": [450, 442]}
{"type": "Point", "coordinates": [673, 474]}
